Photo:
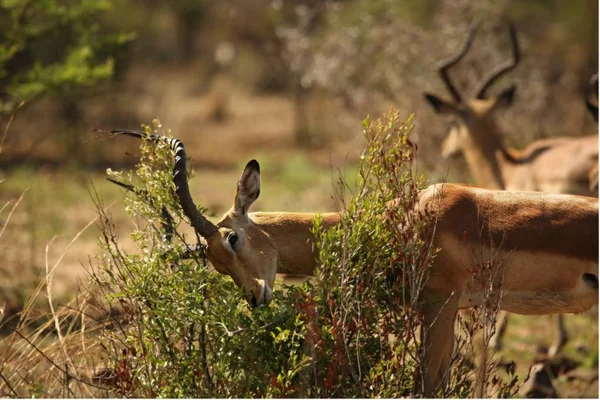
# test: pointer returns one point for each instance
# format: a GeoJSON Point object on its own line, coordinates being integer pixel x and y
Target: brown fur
{"type": "Point", "coordinates": [551, 223]}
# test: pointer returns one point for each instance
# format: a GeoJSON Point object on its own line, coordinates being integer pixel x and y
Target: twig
{"type": "Point", "coordinates": [54, 364]}
{"type": "Point", "coordinates": [202, 340]}
{"type": "Point", "coordinates": [9, 385]}
{"type": "Point", "coordinates": [12, 210]}
{"type": "Point", "coordinates": [12, 116]}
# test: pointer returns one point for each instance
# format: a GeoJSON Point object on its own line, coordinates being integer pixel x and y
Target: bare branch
{"type": "Point", "coordinates": [167, 223]}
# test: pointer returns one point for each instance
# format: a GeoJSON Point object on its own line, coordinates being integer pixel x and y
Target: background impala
{"type": "Point", "coordinates": [558, 165]}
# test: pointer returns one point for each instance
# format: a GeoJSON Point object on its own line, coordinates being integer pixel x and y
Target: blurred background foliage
{"type": "Point", "coordinates": [329, 62]}
{"type": "Point", "coordinates": [55, 48]}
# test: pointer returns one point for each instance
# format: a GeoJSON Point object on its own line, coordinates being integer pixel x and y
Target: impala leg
{"type": "Point", "coordinates": [560, 335]}
{"type": "Point", "coordinates": [498, 338]}
{"type": "Point", "coordinates": [437, 341]}
{"type": "Point", "coordinates": [443, 372]}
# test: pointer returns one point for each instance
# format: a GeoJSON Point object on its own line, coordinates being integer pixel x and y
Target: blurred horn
{"type": "Point", "coordinates": [502, 68]}
{"type": "Point", "coordinates": [450, 62]}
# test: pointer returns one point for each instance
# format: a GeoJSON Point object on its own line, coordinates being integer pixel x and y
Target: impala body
{"type": "Point", "coordinates": [551, 267]}
{"type": "Point", "coordinates": [552, 241]}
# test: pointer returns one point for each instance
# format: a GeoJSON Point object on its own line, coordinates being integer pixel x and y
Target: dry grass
{"type": "Point", "coordinates": [48, 353]}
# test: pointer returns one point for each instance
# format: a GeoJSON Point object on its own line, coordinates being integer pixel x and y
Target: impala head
{"type": "Point", "coordinates": [239, 248]}
{"type": "Point", "coordinates": [235, 245]}
{"type": "Point", "coordinates": [474, 121]}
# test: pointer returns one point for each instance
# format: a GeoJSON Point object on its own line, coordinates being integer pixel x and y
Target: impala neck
{"type": "Point", "coordinates": [481, 148]}
{"type": "Point", "coordinates": [291, 235]}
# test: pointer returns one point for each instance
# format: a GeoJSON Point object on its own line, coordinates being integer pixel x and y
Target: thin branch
{"type": "Point", "coordinates": [15, 394]}
{"type": "Point", "coordinates": [12, 210]}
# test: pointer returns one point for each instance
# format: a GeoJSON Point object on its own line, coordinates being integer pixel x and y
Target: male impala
{"type": "Point", "coordinates": [552, 239]}
{"type": "Point", "coordinates": [558, 165]}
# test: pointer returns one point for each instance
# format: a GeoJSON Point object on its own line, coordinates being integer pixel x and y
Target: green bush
{"type": "Point", "coordinates": [373, 268]}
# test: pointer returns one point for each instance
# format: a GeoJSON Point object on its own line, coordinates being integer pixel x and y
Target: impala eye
{"type": "Point", "coordinates": [232, 238]}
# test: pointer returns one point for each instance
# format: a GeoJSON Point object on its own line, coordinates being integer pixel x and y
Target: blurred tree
{"type": "Point", "coordinates": [280, 32]}
{"type": "Point", "coordinates": [190, 15]}
{"type": "Point", "coordinates": [373, 53]}
{"type": "Point", "coordinates": [53, 47]}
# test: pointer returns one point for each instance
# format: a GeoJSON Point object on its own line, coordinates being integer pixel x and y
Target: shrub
{"type": "Point", "coordinates": [374, 265]}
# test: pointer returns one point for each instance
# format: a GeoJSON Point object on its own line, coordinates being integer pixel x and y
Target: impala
{"type": "Point", "coordinates": [552, 239]}
{"type": "Point", "coordinates": [557, 165]}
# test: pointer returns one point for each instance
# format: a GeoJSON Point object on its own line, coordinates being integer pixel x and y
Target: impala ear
{"type": "Point", "coordinates": [505, 98]}
{"type": "Point", "coordinates": [451, 144]}
{"type": "Point", "coordinates": [248, 188]}
{"type": "Point", "coordinates": [441, 106]}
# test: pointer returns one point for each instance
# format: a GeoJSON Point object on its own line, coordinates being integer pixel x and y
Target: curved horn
{"type": "Point", "coordinates": [502, 68]}
{"type": "Point", "coordinates": [201, 225]}
{"type": "Point", "coordinates": [444, 66]}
